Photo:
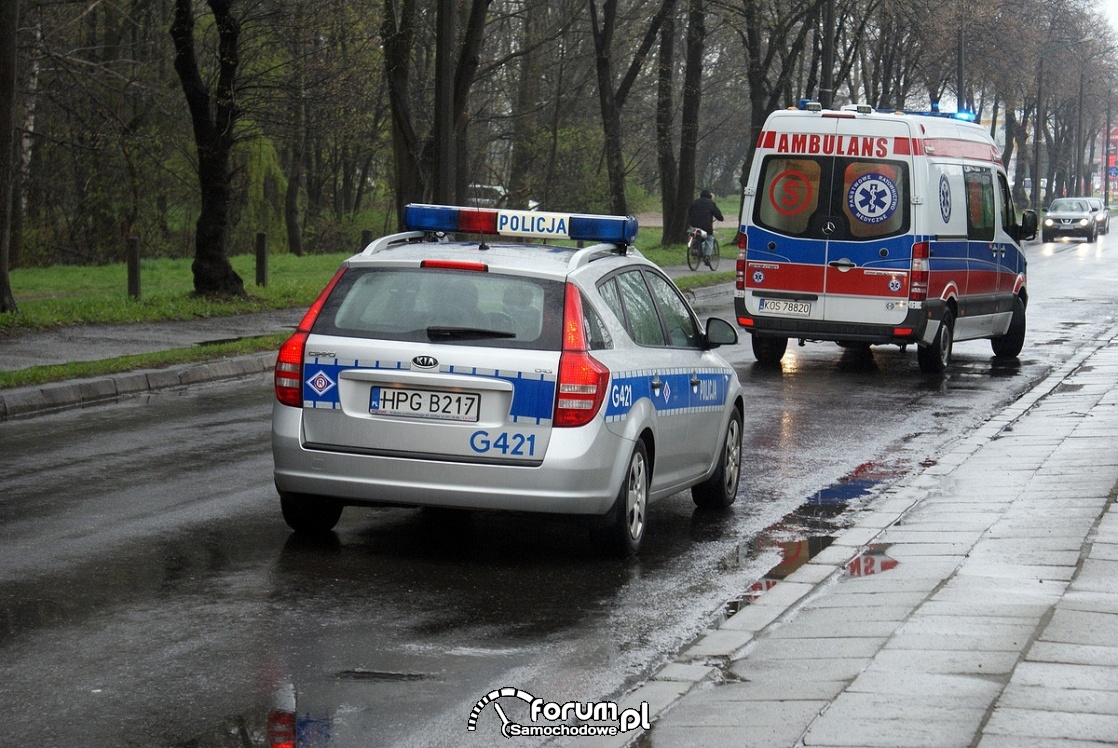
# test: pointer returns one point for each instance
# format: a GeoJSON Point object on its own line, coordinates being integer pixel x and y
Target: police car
{"type": "Point", "coordinates": [491, 373]}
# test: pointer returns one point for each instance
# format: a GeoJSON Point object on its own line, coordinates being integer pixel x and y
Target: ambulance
{"type": "Point", "coordinates": [862, 227]}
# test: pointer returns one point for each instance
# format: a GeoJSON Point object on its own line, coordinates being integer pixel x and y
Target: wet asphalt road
{"type": "Point", "coordinates": [153, 596]}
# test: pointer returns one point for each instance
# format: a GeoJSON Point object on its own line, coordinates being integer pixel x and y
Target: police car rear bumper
{"type": "Point", "coordinates": [580, 474]}
{"type": "Point", "coordinates": [913, 329]}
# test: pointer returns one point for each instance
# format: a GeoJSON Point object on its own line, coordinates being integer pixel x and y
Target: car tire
{"type": "Point", "coordinates": [769, 350]}
{"type": "Point", "coordinates": [935, 357]}
{"type": "Point", "coordinates": [721, 488]}
{"type": "Point", "coordinates": [1092, 235]}
{"type": "Point", "coordinates": [623, 526]}
{"type": "Point", "coordinates": [1045, 237]}
{"type": "Point", "coordinates": [310, 515]}
{"type": "Point", "coordinates": [1010, 344]}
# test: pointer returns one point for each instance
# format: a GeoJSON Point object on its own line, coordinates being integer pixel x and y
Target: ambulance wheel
{"type": "Point", "coordinates": [769, 350]}
{"type": "Point", "coordinates": [1010, 344]}
{"type": "Point", "coordinates": [310, 515]}
{"type": "Point", "coordinates": [622, 529]}
{"type": "Point", "coordinates": [721, 488]}
{"type": "Point", "coordinates": [935, 357]}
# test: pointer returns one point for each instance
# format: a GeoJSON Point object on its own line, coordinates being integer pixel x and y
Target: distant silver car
{"type": "Point", "coordinates": [1102, 214]}
{"type": "Point", "coordinates": [1069, 216]}
{"type": "Point", "coordinates": [505, 375]}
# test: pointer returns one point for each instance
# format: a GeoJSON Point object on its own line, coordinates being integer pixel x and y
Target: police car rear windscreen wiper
{"type": "Point", "coordinates": [442, 332]}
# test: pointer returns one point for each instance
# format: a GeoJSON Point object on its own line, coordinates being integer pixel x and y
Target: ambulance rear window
{"type": "Point", "coordinates": [829, 197]}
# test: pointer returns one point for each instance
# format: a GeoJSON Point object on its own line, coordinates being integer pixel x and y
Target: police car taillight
{"type": "Point", "coordinates": [582, 379]}
{"type": "Point", "coordinates": [288, 376]}
{"type": "Point", "coordinates": [918, 279]}
{"type": "Point", "coordinates": [521, 223]}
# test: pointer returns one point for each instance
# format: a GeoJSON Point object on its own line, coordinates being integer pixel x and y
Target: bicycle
{"type": "Point", "coordinates": [695, 249]}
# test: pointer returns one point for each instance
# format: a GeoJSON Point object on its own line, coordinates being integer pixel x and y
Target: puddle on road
{"type": "Point", "coordinates": [808, 530]}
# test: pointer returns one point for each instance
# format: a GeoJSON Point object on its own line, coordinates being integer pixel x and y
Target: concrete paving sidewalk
{"type": "Point", "coordinates": [997, 625]}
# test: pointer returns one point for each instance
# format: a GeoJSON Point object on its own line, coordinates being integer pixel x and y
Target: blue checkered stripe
{"type": "Point", "coordinates": [678, 395]}
{"type": "Point", "coordinates": [533, 399]}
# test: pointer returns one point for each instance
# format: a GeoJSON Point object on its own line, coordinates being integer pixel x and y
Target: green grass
{"type": "Point", "coordinates": [67, 295]}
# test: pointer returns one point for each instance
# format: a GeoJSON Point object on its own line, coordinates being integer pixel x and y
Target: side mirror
{"type": "Point", "coordinates": [1028, 227]}
{"type": "Point", "coordinates": [720, 332]}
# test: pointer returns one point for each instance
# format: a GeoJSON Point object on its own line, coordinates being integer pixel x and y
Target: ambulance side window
{"type": "Point", "coordinates": [979, 185]}
{"type": "Point", "coordinates": [1009, 216]}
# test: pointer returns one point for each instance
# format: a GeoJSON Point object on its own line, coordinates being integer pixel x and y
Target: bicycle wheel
{"type": "Point", "coordinates": [694, 253]}
{"type": "Point", "coordinates": [714, 256]}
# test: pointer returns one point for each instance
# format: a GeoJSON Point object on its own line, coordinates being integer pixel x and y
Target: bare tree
{"type": "Point", "coordinates": [214, 117]}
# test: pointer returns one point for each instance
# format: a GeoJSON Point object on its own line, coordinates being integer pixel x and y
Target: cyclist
{"type": "Point", "coordinates": [701, 215]}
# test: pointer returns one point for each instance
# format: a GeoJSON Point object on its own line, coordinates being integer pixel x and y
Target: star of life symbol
{"type": "Point", "coordinates": [894, 284]}
{"type": "Point", "coordinates": [872, 198]}
{"type": "Point", "coordinates": [944, 198]}
{"type": "Point", "coordinates": [574, 718]}
{"type": "Point", "coordinates": [758, 277]}
{"type": "Point", "coordinates": [321, 383]}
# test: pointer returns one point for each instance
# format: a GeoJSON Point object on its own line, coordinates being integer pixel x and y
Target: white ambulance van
{"type": "Point", "coordinates": [863, 227]}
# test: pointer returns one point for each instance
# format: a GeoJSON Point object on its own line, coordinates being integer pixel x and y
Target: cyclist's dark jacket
{"type": "Point", "coordinates": [702, 213]}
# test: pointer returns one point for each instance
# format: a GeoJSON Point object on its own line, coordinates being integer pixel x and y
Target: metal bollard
{"type": "Point", "coordinates": [261, 259]}
{"type": "Point", "coordinates": [132, 259]}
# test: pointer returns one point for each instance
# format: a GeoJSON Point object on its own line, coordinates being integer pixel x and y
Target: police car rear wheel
{"type": "Point", "coordinates": [769, 350]}
{"type": "Point", "coordinates": [1010, 344]}
{"type": "Point", "coordinates": [309, 515]}
{"type": "Point", "coordinates": [721, 488]}
{"type": "Point", "coordinates": [623, 529]}
{"type": "Point", "coordinates": [936, 357]}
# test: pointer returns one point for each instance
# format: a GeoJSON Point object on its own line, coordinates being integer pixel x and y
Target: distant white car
{"type": "Point", "coordinates": [496, 374]}
{"type": "Point", "coordinates": [1069, 216]}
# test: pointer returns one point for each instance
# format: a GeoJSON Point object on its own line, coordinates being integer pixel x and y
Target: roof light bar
{"type": "Point", "coordinates": [522, 223]}
{"type": "Point", "coordinates": [962, 115]}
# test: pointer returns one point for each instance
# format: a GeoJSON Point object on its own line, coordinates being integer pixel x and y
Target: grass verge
{"type": "Point", "coordinates": [37, 375]}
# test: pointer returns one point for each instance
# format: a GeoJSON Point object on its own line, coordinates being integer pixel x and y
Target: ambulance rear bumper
{"type": "Point", "coordinates": [913, 329]}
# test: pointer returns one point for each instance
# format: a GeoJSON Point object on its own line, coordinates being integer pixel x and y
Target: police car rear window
{"type": "Point", "coordinates": [833, 198]}
{"type": "Point", "coordinates": [445, 306]}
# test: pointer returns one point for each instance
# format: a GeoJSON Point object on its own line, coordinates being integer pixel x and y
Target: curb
{"type": "Point", "coordinates": [27, 402]}
{"type": "Point", "coordinates": [702, 661]}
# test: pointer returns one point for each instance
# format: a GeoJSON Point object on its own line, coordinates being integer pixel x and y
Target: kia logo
{"type": "Point", "coordinates": [425, 362]}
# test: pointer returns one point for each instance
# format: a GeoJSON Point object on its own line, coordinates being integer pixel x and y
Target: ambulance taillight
{"type": "Point", "coordinates": [743, 243]}
{"type": "Point", "coordinates": [918, 281]}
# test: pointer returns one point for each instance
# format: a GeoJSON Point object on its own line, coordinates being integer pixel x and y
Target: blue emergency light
{"type": "Point", "coordinates": [520, 223]}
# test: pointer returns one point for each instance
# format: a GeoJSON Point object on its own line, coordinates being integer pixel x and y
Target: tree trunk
{"type": "Point", "coordinates": [9, 23]}
{"type": "Point", "coordinates": [213, 137]}
{"type": "Point", "coordinates": [689, 129]}
{"type": "Point", "coordinates": [665, 107]}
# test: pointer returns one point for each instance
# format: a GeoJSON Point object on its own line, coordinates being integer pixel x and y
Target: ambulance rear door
{"type": "Point", "coordinates": [830, 238]}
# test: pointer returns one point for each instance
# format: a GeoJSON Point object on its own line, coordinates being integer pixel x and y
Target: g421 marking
{"type": "Point", "coordinates": [509, 444]}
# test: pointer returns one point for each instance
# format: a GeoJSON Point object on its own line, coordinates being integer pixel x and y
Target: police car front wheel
{"type": "Point", "coordinates": [721, 488]}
